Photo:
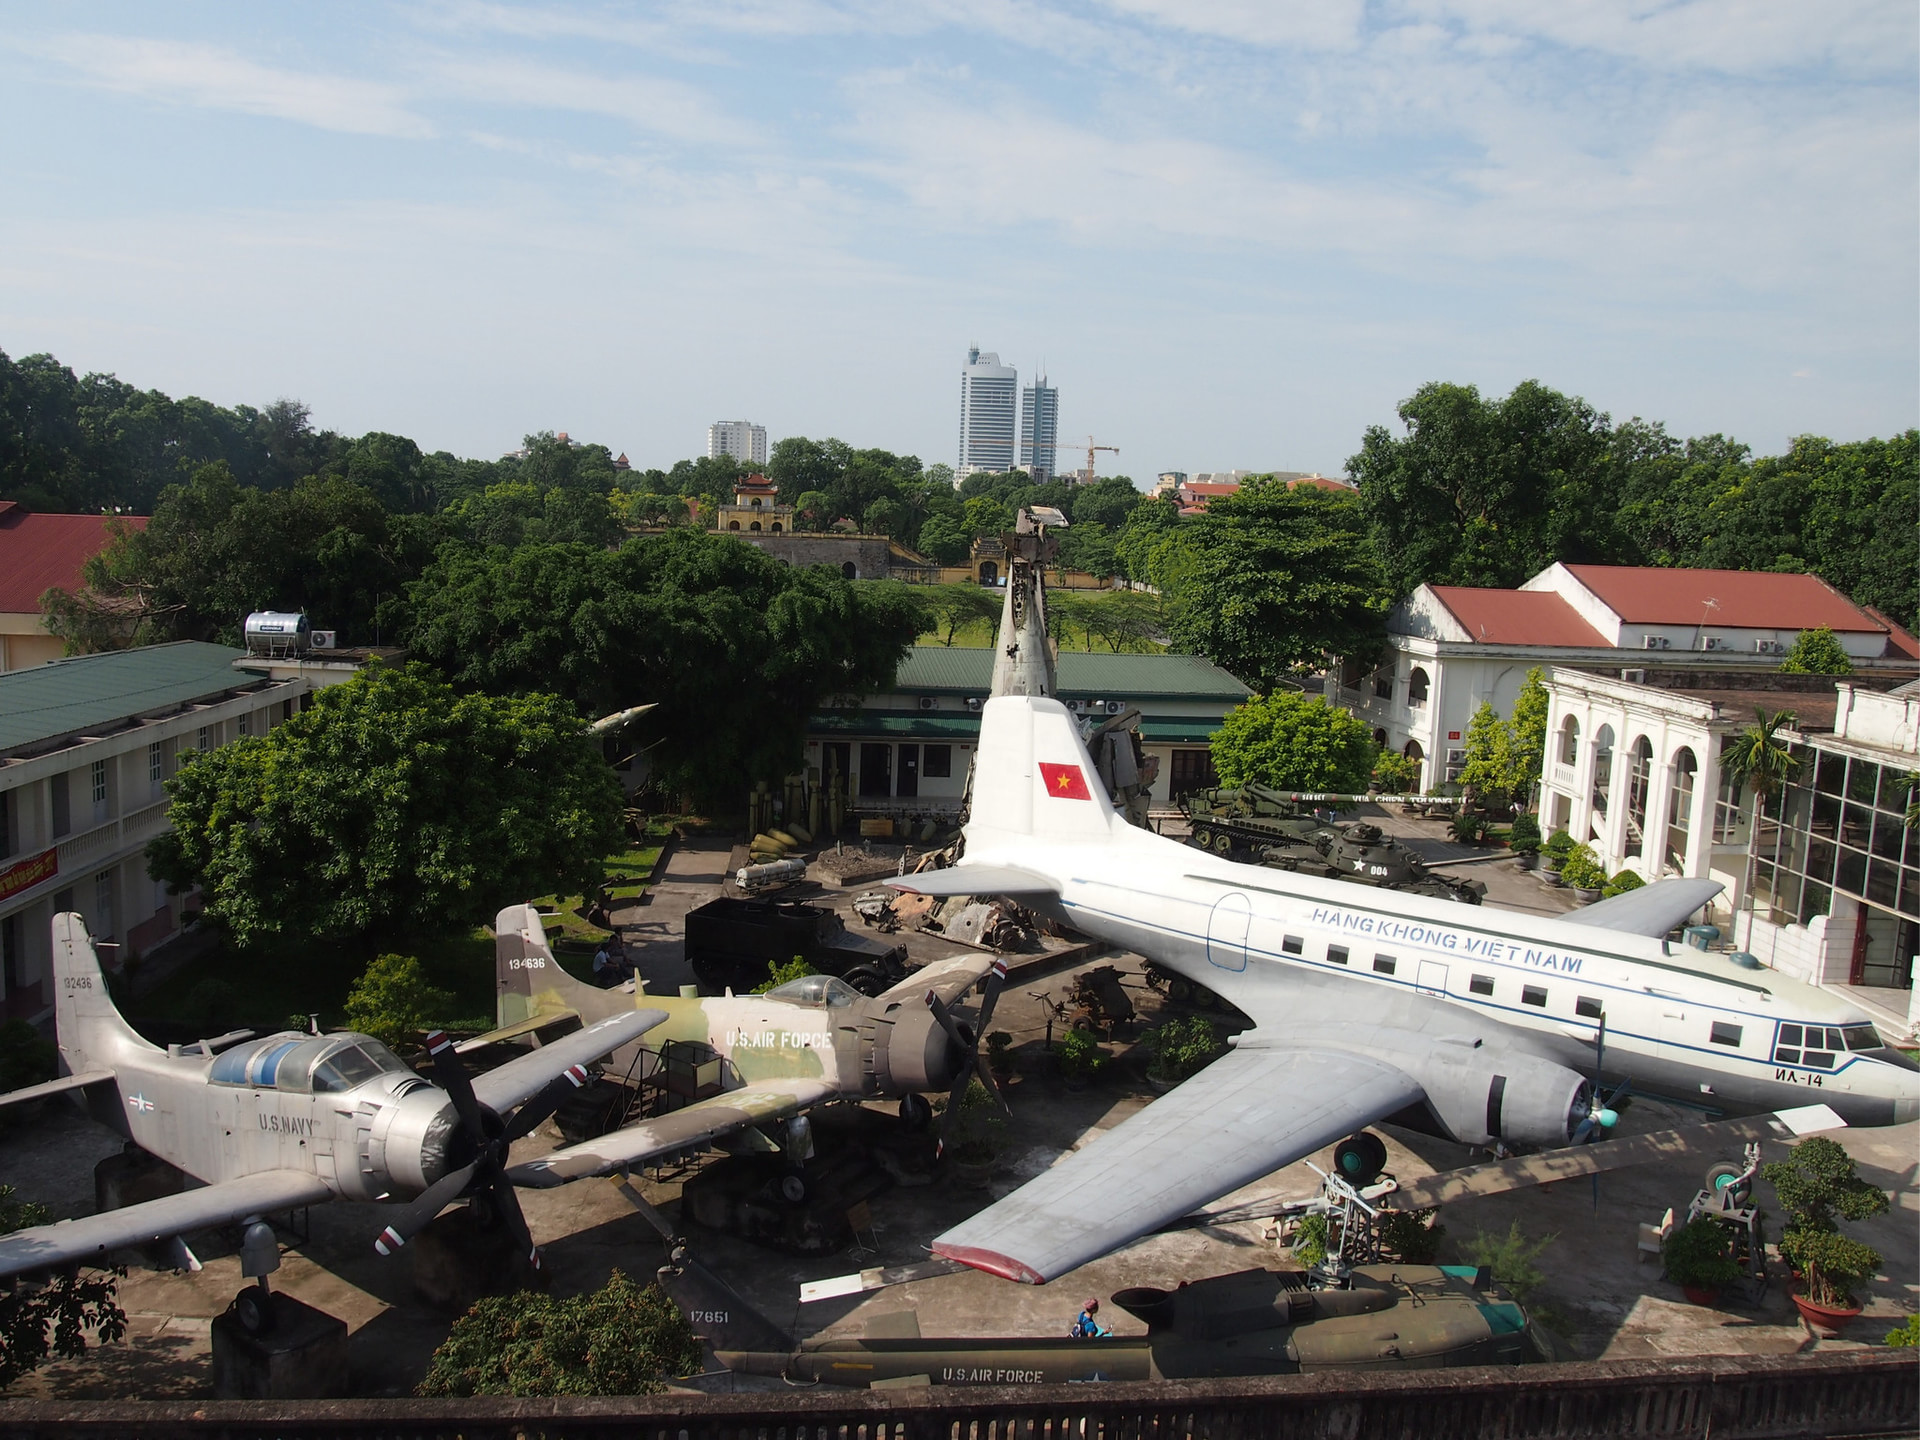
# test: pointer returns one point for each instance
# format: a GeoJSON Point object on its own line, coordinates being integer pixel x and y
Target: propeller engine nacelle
{"type": "Point", "coordinates": [409, 1142]}
{"type": "Point", "coordinates": [1481, 1097]}
{"type": "Point", "coordinates": [912, 1052]}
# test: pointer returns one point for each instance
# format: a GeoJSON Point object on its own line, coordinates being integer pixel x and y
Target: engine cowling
{"type": "Point", "coordinates": [911, 1053]}
{"type": "Point", "coordinates": [1481, 1097]}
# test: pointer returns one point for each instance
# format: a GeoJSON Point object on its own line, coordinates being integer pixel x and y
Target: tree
{"type": "Point", "coordinates": [1275, 580]}
{"type": "Point", "coordinates": [945, 540]}
{"type": "Point", "coordinates": [1817, 652]}
{"type": "Point", "coordinates": [1491, 767]}
{"type": "Point", "coordinates": [52, 1318]}
{"type": "Point", "coordinates": [623, 1339]}
{"type": "Point", "coordinates": [1293, 742]}
{"type": "Point", "coordinates": [392, 1000]}
{"type": "Point", "coordinates": [957, 606]}
{"type": "Point", "coordinates": [1759, 758]}
{"type": "Point", "coordinates": [986, 517]}
{"type": "Point", "coordinates": [1125, 620]}
{"type": "Point", "coordinates": [1529, 730]}
{"type": "Point", "coordinates": [391, 804]}
{"type": "Point", "coordinates": [1148, 527]}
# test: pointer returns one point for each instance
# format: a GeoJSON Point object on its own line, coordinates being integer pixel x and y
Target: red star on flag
{"type": "Point", "coordinates": [1064, 782]}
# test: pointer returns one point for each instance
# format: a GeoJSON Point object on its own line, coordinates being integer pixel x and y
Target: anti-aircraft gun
{"type": "Point", "coordinates": [1238, 823]}
{"type": "Point", "coordinates": [1363, 854]}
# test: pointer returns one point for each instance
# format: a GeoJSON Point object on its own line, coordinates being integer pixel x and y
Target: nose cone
{"type": "Point", "coordinates": [920, 1055]}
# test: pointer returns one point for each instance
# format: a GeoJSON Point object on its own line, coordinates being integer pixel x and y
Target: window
{"type": "Point", "coordinates": [1337, 954]}
{"type": "Point", "coordinates": [1417, 689]}
{"type": "Point", "coordinates": [62, 809]}
{"type": "Point", "coordinates": [97, 777]}
{"type": "Point", "coordinates": [1680, 806]}
{"type": "Point", "coordinates": [205, 741]}
{"type": "Point", "coordinates": [1787, 1048]}
{"type": "Point", "coordinates": [1481, 985]}
{"type": "Point", "coordinates": [101, 921]}
{"type": "Point", "coordinates": [1862, 1037]}
{"type": "Point", "coordinates": [1292, 945]}
{"type": "Point", "coordinates": [1724, 1034]}
{"type": "Point", "coordinates": [286, 709]}
{"type": "Point", "coordinates": [939, 762]}
{"type": "Point", "coordinates": [1587, 1007]}
{"type": "Point", "coordinates": [1602, 768]}
{"type": "Point", "coordinates": [245, 722]}
{"type": "Point", "coordinates": [876, 771]}
{"type": "Point", "coordinates": [1383, 684]}
{"type": "Point", "coordinates": [156, 765]}
{"type": "Point", "coordinates": [1533, 995]}
{"type": "Point", "coordinates": [1569, 741]}
{"type": "Point", "coordinates": [1384, 964]}
{"type": "Point", "coordinates": [1639, 779]}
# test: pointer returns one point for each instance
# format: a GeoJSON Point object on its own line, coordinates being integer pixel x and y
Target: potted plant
{"type": "Point", "coordinates": [1553, 855]}
{"type": "Point", "coordinates": [1000, 1053]}
{"type": "Point", "coordinates": [1621, 883]}
{"type": "Point", "coordinates": [976, 1136]}
{"type": "Point", "coordinates": [1081, 1059]}
{"type": "Point", "coordinates": [1580, 871]}
{"type": "Point", "coordinates": [1699, 1259]}
{"type": "Point", "coordinates": [1181, 1050]}
{"type": "Point", "coordinates": [1818, 1187]}
{"type": "Point", "coordinates": [1467, 828]}
{"type": "Point", "coordinates": [1524, 841]}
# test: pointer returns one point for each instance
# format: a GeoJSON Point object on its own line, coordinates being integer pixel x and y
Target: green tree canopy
{"type": "Point", "coordinates": [38, 1320]}
{"type": "Point", "coordinates": [391, 804]}
{"type": "Point", "coordinates": [1277, 580]}
{"type": "Point", "coordinates": [1528, 726]}
{"type": "Point", "coordinates": [1293, 742]}
{"type": "Point", "coordinates": [944, 539]}
{"type": "Point", "coordinates": [956, 606]}
{"type": "Point", "coordinates": [1817, 652]}
{"type": "Point", "coordinates": [1492, 767]}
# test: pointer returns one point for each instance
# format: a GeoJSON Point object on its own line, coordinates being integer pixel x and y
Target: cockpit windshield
{"type": "Point", "coordinates": [1820, 1046]}
{"type": "Point", "coordinates": [354, 1063]}
{"type": "Point", "coordinates": [827, 990]}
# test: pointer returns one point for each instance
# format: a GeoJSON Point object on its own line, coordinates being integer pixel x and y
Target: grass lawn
{"type": "Point", "coordinates": [568, 923]}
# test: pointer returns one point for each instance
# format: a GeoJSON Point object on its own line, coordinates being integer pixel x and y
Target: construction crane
{"type": "Point", "coordinates": [1086, 475]}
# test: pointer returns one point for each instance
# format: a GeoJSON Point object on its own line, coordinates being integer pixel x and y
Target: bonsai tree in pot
{"type": "Point", "coordinates": [1699, 1259]}
{"type": "Point", "coordinates": [1181, 1050]}
{"type": "Point", "coordinates": [1553, 855]}
{"type": "Point", "coordinates": [976, 1134]}
{"type": "Point", "coordinates": [1524, 841]}
{"type": "Point", "coordinates": [1581, 871]}
{"type": "Point", "coordinates": [1000, 1053]}
{"type": "Point", "coordinates": [1621, 883]}
{"type": "Point", "coordinates": [1818, 1187]}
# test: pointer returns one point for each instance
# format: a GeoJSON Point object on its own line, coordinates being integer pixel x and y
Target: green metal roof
{"type": "Point", "coordinates": [908, 725]}
{"type": "Point", "coordinates": [954, 671]}
{"type": "Point", "coordinates": [90, 693]}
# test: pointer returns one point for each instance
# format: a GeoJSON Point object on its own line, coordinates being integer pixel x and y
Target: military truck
{"type": "Point", "coordinates": [734, 943]}
{"type": "Point", "coordinates": [1235, 822]}
{"type": "Point", "coordinates": [1362, 854]}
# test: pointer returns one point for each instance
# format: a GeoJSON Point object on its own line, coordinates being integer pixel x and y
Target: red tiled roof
{"type": "Point", "coordinates": [1320, 482]}
{"type": "Point", "coordinates": [1516, 617]}
{"type": "Point", "coordinates": [38, 552]}
{"type": "Point", "coordinates": [1212, 487]}
{"type": "Point", "coordinates": [1899, 641]}
{"type": "Point", "coordinates": [1746, 599]}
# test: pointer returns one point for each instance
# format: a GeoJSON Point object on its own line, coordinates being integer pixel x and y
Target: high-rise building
{"type": "Point", "coordinates": [987, 400]}
{"type": "Point", "coordinates": [741, 439]}
{"type": "Point", "coordinates": [1039, 429]}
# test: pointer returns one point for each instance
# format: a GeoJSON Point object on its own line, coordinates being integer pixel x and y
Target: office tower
{"type": "Point", "coordinates": [742, 439]}
{"type": "Point", "coordinates": [987, 417]}
{"type": "Point", "coordinates": [1039, 429]}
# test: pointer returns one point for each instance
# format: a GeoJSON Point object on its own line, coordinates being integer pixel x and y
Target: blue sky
{"type": "Point", "coordinates": [1235, 233]}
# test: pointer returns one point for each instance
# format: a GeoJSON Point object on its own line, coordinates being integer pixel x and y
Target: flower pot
{"type": "Point", "coordinates": [1708, 1295]}
{"type": "Point", "coordinates": [1552, 876]}
{"type": "Point", "coordinates": [1820, 1318]}
{"type": "Point", "coordinates": [1584, 895]}
{"type": "Point", "coordinates": [1159, 1085]}
{"type": "Point", "coordinates": [973, 1174]}
{"type": "Point", "coordinates": [1526, 862]}
{"type": "Point", "coordinates": [1075, 1084]}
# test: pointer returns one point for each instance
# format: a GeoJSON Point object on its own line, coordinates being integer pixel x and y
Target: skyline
{"type": "Point", "coordinates": [1255, 231]}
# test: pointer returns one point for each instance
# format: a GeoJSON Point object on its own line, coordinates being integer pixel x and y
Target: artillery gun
{"type": "Point", "coordinates": [1362, 854]}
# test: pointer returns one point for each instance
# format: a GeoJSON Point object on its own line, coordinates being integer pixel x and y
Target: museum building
{"type": "Point", "coordinates": [86, 746]}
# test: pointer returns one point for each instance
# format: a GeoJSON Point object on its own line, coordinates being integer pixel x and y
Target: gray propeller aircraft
{"type": "Point", "coordinates": [801, 1044]}
{"type": "Point", "coordinates": [1491, 1028]}
{"type": "Point", "coordinates": [271, 1124]}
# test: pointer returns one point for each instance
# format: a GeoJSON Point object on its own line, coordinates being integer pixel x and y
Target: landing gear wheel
{"type": "Point", "coordinates": [1360, 1158]}
{"type": "Point", "coordinates": [916, 1113]}
{"type": "Point", "coordinates": [1223, 845]}
{"type": "Point", "coordinates": [1722, 1177]}
{"type": "Point", "coordinates": [253, 1308]}
{"type": "Point", "coordinates": [794, 1187]}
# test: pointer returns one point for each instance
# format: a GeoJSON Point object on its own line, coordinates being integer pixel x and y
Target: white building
{"type": "Point", "coordinates": [742, 439]}
{"type": "Point", "coordinates": [988, 399]}
{"type": "Point", "coordinates": [1452, 648]}
{"type": "Point", "coordinates": [1039, 429]}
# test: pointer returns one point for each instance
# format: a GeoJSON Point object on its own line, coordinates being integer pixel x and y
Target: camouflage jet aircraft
{"type": "Point", "coordinates": [804, 1043]}
{"type": "Point", "coordinates": [272, 1124]}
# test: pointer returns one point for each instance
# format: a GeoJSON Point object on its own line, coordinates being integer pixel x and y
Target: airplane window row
{"type": "Point", "coordinates": [1819, 1045]}
{"type": "Point", "coordinates": [1533, 995]}
{"type": "Point", "coordinates": [1292, 945]}
{"type": "Point", "coordinates": [1384, 964]}
{"type": "Point", "coordinates": [1725, 1034]}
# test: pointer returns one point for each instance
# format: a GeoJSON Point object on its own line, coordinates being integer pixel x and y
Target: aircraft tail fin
{"type": "Point", "coordinates": [89, 1026]}
{"type": "Point", "coordinates": [527, 978]}
{"type": "Point", "coordinates": [1033, 777]}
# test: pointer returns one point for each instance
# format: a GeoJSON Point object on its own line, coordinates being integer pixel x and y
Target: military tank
{"type": "Point", "coordinates": [1362, 854]}
{"type": "Point", "coordinates": [1240, 821]}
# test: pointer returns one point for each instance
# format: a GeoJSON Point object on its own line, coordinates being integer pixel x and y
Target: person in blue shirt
{"type": "Point", "coordinates": [1086, 1327]}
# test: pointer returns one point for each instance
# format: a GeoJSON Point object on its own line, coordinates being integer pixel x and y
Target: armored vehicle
{"type": "Point", "coordinates": [1361, 853]}
{"type": "Point", "coordinates": [1230, 821]}
{"type": "Point", "coordinates": [735, 942]}
{"type": "Point", "coordinates": [1254, 1322]}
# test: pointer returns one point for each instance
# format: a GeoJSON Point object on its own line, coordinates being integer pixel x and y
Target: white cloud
{"type": "Point", "coordinates": [668, 108]}
{"type": "Point", "coordinates": [215, 78]}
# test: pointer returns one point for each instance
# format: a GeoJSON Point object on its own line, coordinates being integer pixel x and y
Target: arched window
{"type": "Point", "coordinates": [733, 524]}
{"type": "Point", "coordinates": [1569, 741]}
{"type": "Point", "coordinates": [1680, 807]}
{"type": "Point", "coordinates": [754, 526]}
{"type": "Point", "coordinates": [1417, 689]}
{"type": "Point", "coordinates": [848, 571]}
{"type": "Point", "coordinates": [1602, 768]}
{"type": "Point", "coordinates": [775, 527]}
{"type": "Point", "coordinates": [1417, 755]}
{"type": "Point", "coordinates": [1379, 737]}
{"type": "Point", "coordinates": [1639, 780]}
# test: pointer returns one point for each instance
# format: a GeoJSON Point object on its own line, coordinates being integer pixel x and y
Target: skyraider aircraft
{"type": "Point", "coordinates": [1487, 1029]}
{"type": "Point", "coordinates": [273, 1124]}
{"type": "Point", "coordinates": [806, 1042]}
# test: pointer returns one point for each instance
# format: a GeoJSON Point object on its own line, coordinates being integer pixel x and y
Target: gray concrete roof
{"type": "Point", "coordinates": [90, 693]}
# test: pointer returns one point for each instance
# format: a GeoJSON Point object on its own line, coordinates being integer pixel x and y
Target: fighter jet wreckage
{"type": "Point", "coordinates": [270, 1124]}
{"type": "Point", "coordinates": [802, 1044]}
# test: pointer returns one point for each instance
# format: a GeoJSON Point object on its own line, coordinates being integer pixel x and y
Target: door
{"type": "Point", "coordinates": [909, 782]}
{"type": "Point", "coordinates": [876, 771]}
{"type": "Point", "coordinates": [1431, 979]}
{"type": "Point", "coordinates": [1227, 932]}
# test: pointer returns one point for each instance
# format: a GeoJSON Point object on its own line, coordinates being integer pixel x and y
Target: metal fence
{"type": "Point", "coordinates": [1846, 1393]}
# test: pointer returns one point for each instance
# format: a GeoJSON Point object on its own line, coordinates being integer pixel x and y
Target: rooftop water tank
{"type": "Point", "coordinates": [274, 633]}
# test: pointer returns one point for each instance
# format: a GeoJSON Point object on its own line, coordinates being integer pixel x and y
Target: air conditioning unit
{"type": "Point", "coordinates": [927, 702]}
{"type": "Point", "coordinates": [320, 639]}
{"type": "Point", "coordinates": [1114, 707]}
{"type": "Point", "coordinates": [1715, 643]}
{"type": "Point", "coordinates": [974, 703]}
{"type": "Point", "coordinates": [1658, 642]}
{"type": "Point", "coordinates": [1634, 677]}
{"type": "Point", "coordinates": [1770, 647]}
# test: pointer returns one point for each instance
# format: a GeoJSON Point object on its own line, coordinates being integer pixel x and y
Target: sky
{"type": "Point", "coordinates": [1234, 233]}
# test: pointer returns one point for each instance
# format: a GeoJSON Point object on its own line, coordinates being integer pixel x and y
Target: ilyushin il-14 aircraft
{"type": "Point", "coordinates": [1493, 1029]}
{"type": "Point", "coordinates": [804, 1043]}
{"type": "Point", "coordinates": [272, 1124]}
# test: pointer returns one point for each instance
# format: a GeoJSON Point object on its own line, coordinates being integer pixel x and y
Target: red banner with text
{"type": "Point", "coordinates": [28, 873]}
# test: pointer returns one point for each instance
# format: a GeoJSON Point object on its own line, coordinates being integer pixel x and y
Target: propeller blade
{"type": "Point", "coordinates": [530, 1114]}
{"type": "Point", "coordinates": [452, 1077]}
{"type": "Point", "coordinates": [951, 1116]}
{"type": "Point", "coordinates": [996, 982]}
{"type": "Point", "coordinates": [985, 1072]}
{"type": "Point", "coordinates": [435, 1198]}
{"type": "Point", "coordinates": [507, 1200]}
{"type": "Point", "coordinates": [947, 1023]}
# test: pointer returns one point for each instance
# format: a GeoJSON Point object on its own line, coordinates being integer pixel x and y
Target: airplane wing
{"type": "Point", "coordinates": [91, 1239]}
{"type": "Point", "coordinates": [1247, 1114]}
{"type": "Point", "coordinates": [55, 1087]}
{"type": "Point", "coordinates": [1651, 910]}
{"type": "Point", "coordinates": [523, 1075]}
{"type": "Point", "coordinates": [528, 1026]}
{"type": "Point", "coordinates": [949, 979]}
{"type": "Point", "coordinates": [976, 880]}
{"type": "Point", "coordinates": [695, 1124]}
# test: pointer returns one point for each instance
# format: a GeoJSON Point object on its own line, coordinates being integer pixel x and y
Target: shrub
{"type": "Point", "coordinates": [1467, 828]}
{"type": "Point", "coordinates": [1410, 1236]}
{"type": "Point", "coordinates": [1817, 652]}
{"type": "Point", "coordinates": [795, 969]}
{"type": "Point", "coordinates": [1310, 1239]}
{"type": "Point", "coordinates": [1396, 773]}
{"type": "Point", "coordinates": [211, 1004]}
{"type": "Point", "coordinates": [1183, 1048]}
{"type": "Point", "coordinates": [1818, 1187]}
{"type": "Point", "coordinates": [1620, 884]}
{"type": "Point", "coordinates": [1699, 1255]}
{"type": "Point", "coordinates": [1830, 1264]}
{"type": "Point", "coordinates": [1905, 1334]}
{"type": "Point", "coordinates": [619, 1340]}
{"type": "Point", "coordinates": [1511, 1257]}
{"type": "Point", "coordinates": [51, 1318]}
{"type": "Point", "coordinates": [392, 1000]}
{"type": "Point", "coordinates": [1081, 1057]}
{"type": "Point", "coordinates": [976, 1133]}
{"type": "Point", "coordinates": [1525, 836]}
{"type": "Point", "coordinates": [1581, 869]}
{"type": "Point", "coordinates": [1558, 844]}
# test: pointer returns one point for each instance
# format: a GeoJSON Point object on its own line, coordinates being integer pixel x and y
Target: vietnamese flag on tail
{"type": "Point", "coordinates": [1064, 782]}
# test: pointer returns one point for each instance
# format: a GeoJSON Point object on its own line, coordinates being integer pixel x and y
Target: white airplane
{"type": "Point", "coordinates": [272, 1124]}
{"type": "Point", "coordinates": [1492, 1028]}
